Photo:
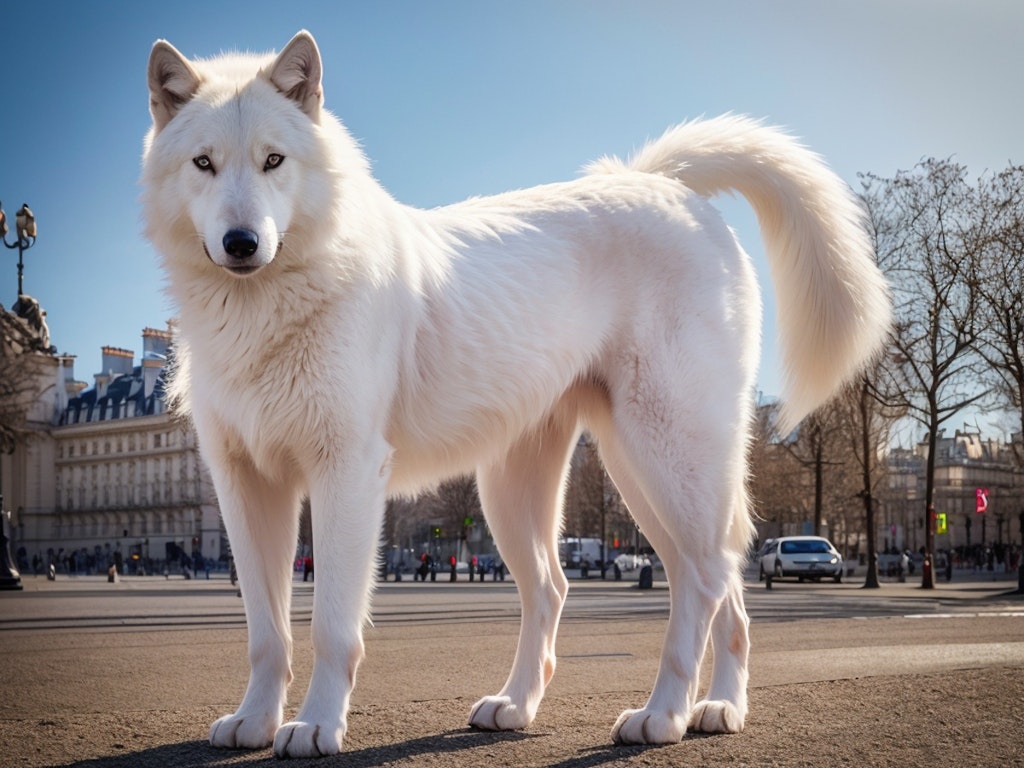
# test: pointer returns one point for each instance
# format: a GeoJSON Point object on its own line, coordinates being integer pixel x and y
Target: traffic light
{"type": "Point", "coordinates": [436, 531]}
{"type": "Point", "coordinates": [941, 525]}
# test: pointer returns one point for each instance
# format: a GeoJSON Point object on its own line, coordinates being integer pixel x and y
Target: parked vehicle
{"type": "Point", "coordinates": [761, 552]}
{"type": "Point", "coordinates": [805, 557]}
{"type": "Point", "coordinates": [573, 552]}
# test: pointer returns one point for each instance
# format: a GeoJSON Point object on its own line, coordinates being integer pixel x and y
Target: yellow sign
{"type": "Point", "coordinates": [940, 523]}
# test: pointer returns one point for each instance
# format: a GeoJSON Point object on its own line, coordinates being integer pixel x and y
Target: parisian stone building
{"type": "Point", "coordinates": [104, 474]}
{"type": "Point", "coordinates": [966, 465]}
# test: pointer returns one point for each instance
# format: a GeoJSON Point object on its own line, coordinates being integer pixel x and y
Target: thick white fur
{"type": "Point", "coordinates": [378, 348]}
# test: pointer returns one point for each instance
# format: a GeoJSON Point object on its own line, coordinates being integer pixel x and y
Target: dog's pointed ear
{"type": "Point", "coordinates": [173, 81]}
{"type": "Point", "coordinates": [297, 71]}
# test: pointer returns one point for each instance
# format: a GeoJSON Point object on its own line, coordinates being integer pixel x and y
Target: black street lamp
{"type": "Point", "coordinates": [9, 576]}
{"type": "Point", "coordinates": [25, 228]}
{"type": "Point", "coordinates": [1020, 568]}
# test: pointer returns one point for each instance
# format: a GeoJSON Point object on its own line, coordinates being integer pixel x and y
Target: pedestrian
{"type": "Point", "coordinates": [307, 568]}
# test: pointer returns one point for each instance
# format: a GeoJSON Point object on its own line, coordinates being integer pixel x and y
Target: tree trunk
{"type": "Point", "coordinates": [927, 572]}
{"type": "Point", "coordinates": [871, 580]}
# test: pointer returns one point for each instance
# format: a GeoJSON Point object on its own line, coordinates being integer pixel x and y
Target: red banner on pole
{"type": "Point", "coordinates": [981, 500]}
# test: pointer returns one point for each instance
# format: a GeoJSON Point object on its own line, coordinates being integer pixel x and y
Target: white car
{"type": "Point", "coordinates": [806, 557]}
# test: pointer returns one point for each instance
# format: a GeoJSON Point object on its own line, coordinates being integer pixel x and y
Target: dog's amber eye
{"type": "Point", "coordinates": [203, 163]}
{"type": "Point", "coordinates": [273, 161]}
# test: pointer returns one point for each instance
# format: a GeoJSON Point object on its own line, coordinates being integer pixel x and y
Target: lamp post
{"type": "Point", "coordinates": [1020, 567]}
{"type": "Point", "coordinates": [9, 576]}
{"type": "Point", "coordinates": [25, 228]}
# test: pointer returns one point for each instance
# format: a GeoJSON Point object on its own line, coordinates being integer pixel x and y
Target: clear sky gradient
{"type": "Point", "coordinates": [472, 97]}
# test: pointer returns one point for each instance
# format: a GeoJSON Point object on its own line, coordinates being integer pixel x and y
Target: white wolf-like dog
{"type": "Point", "coordinates": [335, 343]}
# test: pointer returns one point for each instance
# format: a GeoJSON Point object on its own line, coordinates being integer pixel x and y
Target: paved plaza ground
{"type": "Point", "coordinates": [131, 674]}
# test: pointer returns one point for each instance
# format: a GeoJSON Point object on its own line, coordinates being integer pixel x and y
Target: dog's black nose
{"type": "Point", "coordinates": [241, 243]}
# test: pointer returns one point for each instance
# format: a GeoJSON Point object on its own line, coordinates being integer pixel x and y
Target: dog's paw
{"type": "Point", "coordinates": [498, 713]}
{"type": "Point", "coordinates": [299, 739]}
{"type": "Point", "coordinates": [645, 726]}
{"type": "Point", "coordinates": [244, 730]}
{"type": "Point", "coordinates": [711, 716]}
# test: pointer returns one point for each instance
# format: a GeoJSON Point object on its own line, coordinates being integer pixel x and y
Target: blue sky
{"type": "Point", "coordinates": [470, 97]}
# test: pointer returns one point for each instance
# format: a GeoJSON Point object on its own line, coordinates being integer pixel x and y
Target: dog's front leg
{"type": "Point", "coordinates": [262, 523]}
{"type": "Point", "coordinates": [347, 504]}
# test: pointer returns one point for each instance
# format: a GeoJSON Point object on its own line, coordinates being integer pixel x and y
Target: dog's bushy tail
{"type": "Point", "coordinates": [833, 305]}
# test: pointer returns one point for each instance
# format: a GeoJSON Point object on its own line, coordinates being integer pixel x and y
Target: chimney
{"type": "Point", "coordinates": [116, 361]}
{"type": "Point", "coordinates": [155, 345]}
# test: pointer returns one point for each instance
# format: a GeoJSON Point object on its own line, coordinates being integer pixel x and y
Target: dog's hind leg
{"type": "Point", "coordinates": [684, 506]}
{"type": "Point", "coordinates": [724, 709]}
{"type": "Point", "coordinates": [262, 522]}
{"type": "Point", "coordinates": [521, 498]}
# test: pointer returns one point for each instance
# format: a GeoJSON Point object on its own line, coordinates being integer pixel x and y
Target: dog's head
{"type": "Point", "coordinates": [232, 148]}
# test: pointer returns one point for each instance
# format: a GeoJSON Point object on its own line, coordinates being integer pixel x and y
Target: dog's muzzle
{"type": "Point", "coordinates": [241, 244]}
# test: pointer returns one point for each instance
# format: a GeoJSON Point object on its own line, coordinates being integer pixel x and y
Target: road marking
{"type": "Point", "coordinates": [964, 615]}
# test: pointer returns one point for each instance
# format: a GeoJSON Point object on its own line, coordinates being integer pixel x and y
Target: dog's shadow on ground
{"type": "Point", "coordinates": [199, 753]}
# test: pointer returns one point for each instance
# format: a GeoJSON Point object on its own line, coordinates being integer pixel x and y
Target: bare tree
{"type": "Point", "coordinates": [592, 503]}
{"type": "Point", "coordinates": [457, 501]}
{"type": "Point", "coordinates": [1001, 285]}
{"type": "Point", "coordinates": [778, 483]}
{"type": "Point", "coordinates": [871, 425]}
{"type": "Point", "coordinates": [927, 240]}
{"type": "Point", "coordinates": [818, 447]}
{"type": "Point", "coordinates": [19, 382]}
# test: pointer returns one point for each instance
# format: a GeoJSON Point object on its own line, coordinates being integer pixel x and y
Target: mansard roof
{"type": "Point", "coordinates": [125, 396]}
